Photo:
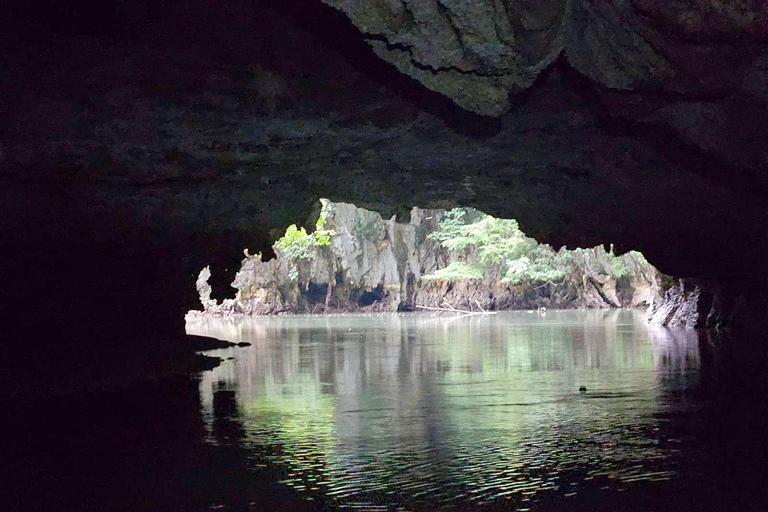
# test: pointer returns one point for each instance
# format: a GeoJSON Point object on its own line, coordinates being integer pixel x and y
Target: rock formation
{"type": "Point", "coordinates": [239, 134]}
{"type": "Point", "coordinates": [193, 129]}
{"type": "Point", "coordinates": [204, 289]}
{"type": "Point", "coordinates": [697, 69]}
{"type": "Point", "coordinates": [701, 305]}
{"type": "Point", "coordinates": [476, 53]}
{"type": "Point", "coordinates": [373, 264]}
{"type": "Point", "coordinates": [678, 308]}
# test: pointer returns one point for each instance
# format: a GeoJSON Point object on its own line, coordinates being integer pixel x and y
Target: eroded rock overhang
{"type": "Point", "coordinates": [477, 52]}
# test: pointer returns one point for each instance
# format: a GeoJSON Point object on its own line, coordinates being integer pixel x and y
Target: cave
{"type": "Point", "coordinates": [315, 293]}
{"type": "Point", "coordinates": [143, 141]}
{"type": "Point", "coordinates": [370, 296]}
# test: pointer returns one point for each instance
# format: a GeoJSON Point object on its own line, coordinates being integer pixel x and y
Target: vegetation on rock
{"type": "Point", "coordinates": [355, 260]}
{"type": "Point", "coordinates": [456, 271]}
{"type": "Point", "coordinates": [296, 244]}
{"type": "Point", "coordinates": [483, 246]}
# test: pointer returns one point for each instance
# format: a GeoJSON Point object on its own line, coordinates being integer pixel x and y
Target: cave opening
{"type": "Point", "coordinates": [369, 297]}
{"type": "Point", "coordinates": [457, 260]}
{"type": "Point", "coordinates": [315, 293]}
{"type": "Point", "coordinates": [143, 141]}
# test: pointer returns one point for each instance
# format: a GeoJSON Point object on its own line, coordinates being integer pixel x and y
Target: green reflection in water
{"type": "Point", "coordinates": [367, 409]}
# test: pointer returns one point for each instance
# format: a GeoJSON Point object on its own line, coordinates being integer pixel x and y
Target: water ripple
{"type": "Point", "coordinates": [402, 415]}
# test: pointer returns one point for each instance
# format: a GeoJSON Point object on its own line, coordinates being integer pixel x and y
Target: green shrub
{"type": "Point", "coordinates": [456, 271]}
{"type": "Point", "coordinates": [296, 244]}
{"type": "Point", "coordinates": [494, 243]}
{"type": "Point", "coordinates": [546, 266]}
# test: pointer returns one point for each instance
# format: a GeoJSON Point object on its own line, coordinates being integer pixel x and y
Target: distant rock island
{"type": "Point", "coordinates": [462, 259]}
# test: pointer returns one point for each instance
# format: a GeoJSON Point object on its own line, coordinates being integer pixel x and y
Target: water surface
{"type": "Point", "coordinates": [417, 411]}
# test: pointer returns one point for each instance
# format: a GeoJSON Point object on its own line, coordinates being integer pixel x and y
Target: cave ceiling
{"type": "Point", "coordinates": [639, 123]}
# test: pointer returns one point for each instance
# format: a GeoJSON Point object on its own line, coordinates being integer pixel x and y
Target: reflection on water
{"type": "Point", "coordinates": [408, 410]}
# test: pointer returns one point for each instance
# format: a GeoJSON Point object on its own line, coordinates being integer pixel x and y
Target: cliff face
{"type": "Point", "coordinates": [373, 264]}
{"type": "Point", "coordinates": [590, 283]}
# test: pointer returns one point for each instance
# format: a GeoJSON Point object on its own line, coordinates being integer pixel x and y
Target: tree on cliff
{"type": "Point", "coordinates": [484, 244]}
{"type": "Point", "coordinates": [297, 245]}
{"type": "Point", "coordinates": [323, 242]}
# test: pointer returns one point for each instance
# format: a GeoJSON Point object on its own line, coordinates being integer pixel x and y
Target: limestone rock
{"type": "Point", "coordinates": [204, 289]}
{"type": "Point", "coordinates": [373, 264]}
{"type": "Point", "coordinates": [678, 308]}
{"type": "Point", "coordinates": [697, 69]}
{"type": "Point", "coordinates": [703, 304]}
{"type": "Point", "coordinates": [476, 53]}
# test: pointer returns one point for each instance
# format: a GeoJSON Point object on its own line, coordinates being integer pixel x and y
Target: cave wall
{"type": "Point", "coordinates": [132, 156]}
{"type": "Point", "coordinates": [696, 68]}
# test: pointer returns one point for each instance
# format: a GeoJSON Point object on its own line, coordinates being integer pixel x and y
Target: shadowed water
{"type": "Point", "coordinates": [418, 412]}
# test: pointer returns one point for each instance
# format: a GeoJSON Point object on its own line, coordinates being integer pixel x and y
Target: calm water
{"type": "Point", "coordinates": [412, 412]}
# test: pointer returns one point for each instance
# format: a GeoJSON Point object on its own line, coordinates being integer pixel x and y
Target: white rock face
{"type": "Point", "coordinates": [678, 308]}
{"type": "Point", "coordinates": [204, 289]}
{"type": "Point", "coordinates": [367, 255]}
{"type": "Point", "coordinates": [373, 264]}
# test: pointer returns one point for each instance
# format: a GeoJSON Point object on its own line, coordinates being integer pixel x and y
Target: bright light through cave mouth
{"type": "Point", "coordinates": [458, 261]}
{"type": "Point", "coordinates": [446, 398]}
